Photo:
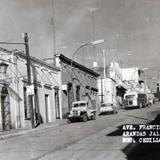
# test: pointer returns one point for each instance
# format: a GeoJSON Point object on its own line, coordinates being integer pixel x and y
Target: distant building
{"type": "Point", "coordinates": [76, 81]}
{"type": "Point", "coordinates": [116, 75]}
{"type": "Point", "coordinates": [112, 88]}
{"type": "Point", "coordinates": [132, 77]}
{"type": "Point", "coordinates": [131, 74]}
{"type": "Point", "coordinates": [14, 108]}
{"type": "Point", "coordinates": [115, 72]}
{"type": "Point", "coordinates": [107, 91]}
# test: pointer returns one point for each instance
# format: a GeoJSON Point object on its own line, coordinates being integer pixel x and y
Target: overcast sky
{"type": "Point", "coordinates": [131, 29]}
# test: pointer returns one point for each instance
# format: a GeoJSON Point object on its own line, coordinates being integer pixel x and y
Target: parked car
{"type": "Point", "coordinates": [108, 108]}
{"type": "Point", "coordinates": [82, 110]}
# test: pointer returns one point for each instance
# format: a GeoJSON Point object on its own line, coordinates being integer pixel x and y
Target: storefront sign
{"type": "Point", "coordinates": [30, 90]}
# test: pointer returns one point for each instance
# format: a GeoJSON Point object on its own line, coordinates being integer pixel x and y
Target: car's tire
{"type": "Point", "coordinates": [94, 116]}
{"type": "Point", "coordinates": [84, 118]}
{"type": "Point", "coordinates": [69, 120]}
{"type": "Point", "coordinates": [115, 112]}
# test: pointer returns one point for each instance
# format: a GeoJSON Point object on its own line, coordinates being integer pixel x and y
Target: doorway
{"type": "Point", "coordinates": [56, 96]}
{"type": "Point", "coordinates": [47, 107]}
{"type": "Point", "coordinates": [5, 110]}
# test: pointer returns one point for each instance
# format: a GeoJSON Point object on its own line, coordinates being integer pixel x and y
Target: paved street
{"type": "Point", "coordinates": [98, 139]}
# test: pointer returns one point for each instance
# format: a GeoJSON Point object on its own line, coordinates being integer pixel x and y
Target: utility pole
{"type": "Point", "coordinates": [93, 9]}
{"type": "Point", "coordinates": [104, 63]}
{"type": "Point", "coordinates": [102, 80]}
{"type": "Point", "coordinates": [54, 28]}
{"type": "Point", "coordinates": [30, 97]}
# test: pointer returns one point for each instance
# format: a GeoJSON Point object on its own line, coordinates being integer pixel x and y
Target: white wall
{"type": "Point", "coordinates": [108, 88]}
{"type": "Point", "coordinates": [16, 76]}
{"type": "Point", "coordinates": [130, 74]}
{"type": "Point", "coordinates": [115, 72]}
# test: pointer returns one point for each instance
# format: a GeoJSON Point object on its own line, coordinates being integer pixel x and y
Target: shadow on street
{"type": "Point", "coordinates": [140, 151]}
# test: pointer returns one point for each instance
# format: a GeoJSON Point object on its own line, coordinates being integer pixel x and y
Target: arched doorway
{"type": "Point", "coordinates": [5, 109]}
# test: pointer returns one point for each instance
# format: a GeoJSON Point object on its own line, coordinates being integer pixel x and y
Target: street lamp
{"type": "Point", "coordinates": [26, 44]}
{"type": "Point", "coordinates": [76, 51]}
{"type": "Point", "coordinates": [92, 10]}
{"type": "Point", "coordinates": [86, 44]}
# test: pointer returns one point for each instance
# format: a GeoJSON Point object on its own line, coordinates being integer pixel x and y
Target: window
{"type": "Point", "coordinates": [78, 93]}
{"type": "Point", "coordinates": [130, 96]}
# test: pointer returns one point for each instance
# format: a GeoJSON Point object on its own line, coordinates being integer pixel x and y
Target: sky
{"type": "Point", "coordinates": [131, 29]}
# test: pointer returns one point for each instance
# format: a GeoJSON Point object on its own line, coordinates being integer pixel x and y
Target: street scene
{"type": "Point", "coordinates": [98, 140]}
{"type": "Point", "coordinates": [79, 80]}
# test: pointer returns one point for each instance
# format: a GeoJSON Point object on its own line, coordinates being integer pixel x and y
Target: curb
{"type": "Point", "coordinates": [19, 133]}
{"type": "Point", "coordinates": [151, 115]}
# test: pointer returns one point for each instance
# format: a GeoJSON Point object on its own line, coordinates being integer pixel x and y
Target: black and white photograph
{"type": "Point", "coordinates": [79, 79]}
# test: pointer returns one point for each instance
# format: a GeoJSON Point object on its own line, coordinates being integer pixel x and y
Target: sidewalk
{"type": "Point", "coordinates": [18, 132]}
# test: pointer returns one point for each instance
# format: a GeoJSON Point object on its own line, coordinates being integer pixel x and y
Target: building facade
{"type": "Point", "coordinates": [115, 73]}
{"type": "Point", "coordinates": [76, 81]}
{"type": "Point", "coordinates": [15, 111]}
{"type": "Point", "coordinates": [107, 91]}
{"type": "Point", "coordinates": [112, 88]}
{"type": "Point", "coordinates": [131, 77]}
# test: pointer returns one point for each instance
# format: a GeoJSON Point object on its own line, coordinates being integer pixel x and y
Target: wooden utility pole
{"type": "Point", "coordinates": [30, 97]}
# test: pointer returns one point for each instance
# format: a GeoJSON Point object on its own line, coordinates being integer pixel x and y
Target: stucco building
{"type": "Point", "coordinates": [111, 88]}
{"type": "Point", "coordinates": [76, 81]}
{"type": "Point", "coordinates": [45, 86]}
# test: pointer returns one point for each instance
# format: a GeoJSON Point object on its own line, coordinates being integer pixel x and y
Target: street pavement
{"type": "Point", "coordinates": [97, 140]}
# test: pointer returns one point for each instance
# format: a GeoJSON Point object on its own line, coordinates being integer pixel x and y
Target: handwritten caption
{"type": "Point", "coordinates": [141, 133]}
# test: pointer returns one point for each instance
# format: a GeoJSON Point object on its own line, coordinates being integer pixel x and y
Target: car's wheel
{"type": "Point", "coordinates": [84, 118]}
{"type": "Point", "coordinates": [69, 120]}
{"type": "Point", "coordinates": [115, 112]}
{"type": "Point", "coordinates": [94, 116]}
{"type": "Point", "coordinates": [140, 105]}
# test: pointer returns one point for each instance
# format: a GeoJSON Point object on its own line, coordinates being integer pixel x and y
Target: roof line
{"type": "Point", "coordinates": [75, 64]}
{"type": "Point", "coordinates": [22, 55]}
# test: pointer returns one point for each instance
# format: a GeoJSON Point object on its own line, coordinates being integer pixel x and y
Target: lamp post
{"type": "Point", "coordinates": [93, 10]}
{"type": "Point", "coordinates": [86, 44]}
{"type": "Point", "coordinates": [76, 51]}
{"type": "Point", "coordinates": [104, 63]}
{"type": "Point", "coordinates": [30, 98]}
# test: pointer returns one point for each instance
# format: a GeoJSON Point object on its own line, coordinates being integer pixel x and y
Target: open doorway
{"type": "Point", "coordinates": [5, 109]}
{"type": "Point", "coordinates": [57, 108]}
{"type": "Point", "coordinates": [47, 107]}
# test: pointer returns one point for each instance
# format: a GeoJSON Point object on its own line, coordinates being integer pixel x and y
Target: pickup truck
{"type": "Point", "coordinates": [82, 110]}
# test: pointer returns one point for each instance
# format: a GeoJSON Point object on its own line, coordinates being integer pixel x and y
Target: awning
{"type": "Point", "coordinates": [122, 86]}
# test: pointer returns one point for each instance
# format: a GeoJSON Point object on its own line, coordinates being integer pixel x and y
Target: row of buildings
{"type": "Point", "coordinates": [118, 81]}
{"type": "Point", "coordinates": [54, 86]}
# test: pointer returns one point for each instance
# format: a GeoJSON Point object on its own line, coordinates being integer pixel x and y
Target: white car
{"type": "Point", "coordinates": [107, 108]}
